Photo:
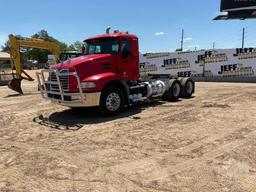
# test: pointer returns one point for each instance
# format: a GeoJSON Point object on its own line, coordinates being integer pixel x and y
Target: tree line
{"type": "Point", "coordinates": [39, 54]}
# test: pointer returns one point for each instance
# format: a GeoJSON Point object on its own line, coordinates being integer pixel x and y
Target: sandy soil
{"type": "Point", "coordinates": [203, 144]}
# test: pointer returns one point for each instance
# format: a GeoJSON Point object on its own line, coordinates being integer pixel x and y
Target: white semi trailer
{"type": "Point", "coordinates": [219, 63]}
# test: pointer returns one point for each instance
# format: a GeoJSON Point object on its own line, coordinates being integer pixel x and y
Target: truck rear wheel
{"type": "Point", "coordinates": [173, 94]}
{"type": "Point", "coordinates": [111, 101]}
{"type": "Point", "coordinates": [187, 87]}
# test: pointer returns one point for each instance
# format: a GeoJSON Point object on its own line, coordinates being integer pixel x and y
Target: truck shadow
{"type": "Point", "coordinates": [75, 119]}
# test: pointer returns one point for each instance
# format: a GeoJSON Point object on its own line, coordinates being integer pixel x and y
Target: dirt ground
{"type": "Point", "coordinates": [203, 144]}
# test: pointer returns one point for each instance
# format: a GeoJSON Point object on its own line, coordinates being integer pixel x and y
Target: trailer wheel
{"type": "Point", "coordinates": [173, 94]}
{"type": "Point", "coordinates": [111, 101]}
{"type": "Point", "coordinates": [187, 87]}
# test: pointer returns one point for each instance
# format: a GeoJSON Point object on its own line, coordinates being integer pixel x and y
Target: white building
{"type": "Point", "coordinates": [4, 56]}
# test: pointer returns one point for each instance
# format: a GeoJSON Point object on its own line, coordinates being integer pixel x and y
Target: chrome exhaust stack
{"type": "Point", "coordinates": [108, 30]}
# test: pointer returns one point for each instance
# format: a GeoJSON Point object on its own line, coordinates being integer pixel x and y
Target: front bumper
{"type": "Point", "coordinates": [59, 95]}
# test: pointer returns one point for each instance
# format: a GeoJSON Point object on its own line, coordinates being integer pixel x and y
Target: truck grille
{"type": "Point", "coordinates": [64, 80]}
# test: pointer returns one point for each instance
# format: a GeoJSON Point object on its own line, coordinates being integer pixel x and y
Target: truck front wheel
{"type": "Point", "coordinates": [111, 101]}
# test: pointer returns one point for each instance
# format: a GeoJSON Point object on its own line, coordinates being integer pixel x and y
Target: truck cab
{"type": "Point", "coordinates": [108, 58]}
{"type": "Point", "coordinates": [107, 75]}
{"type": "Point", "coordinates": [120, 52]}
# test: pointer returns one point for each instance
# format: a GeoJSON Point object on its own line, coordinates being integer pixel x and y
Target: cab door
{"type": "Point", "coordinates": [126, 56]}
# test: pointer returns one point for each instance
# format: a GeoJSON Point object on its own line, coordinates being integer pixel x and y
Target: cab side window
{"type": "Point", "coordinates": [126, 48]}
{"type": "Point", "coordinates": [115, 49]}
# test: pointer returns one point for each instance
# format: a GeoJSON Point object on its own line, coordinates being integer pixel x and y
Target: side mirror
{"type": "Point", "coordinates": [83, 50]}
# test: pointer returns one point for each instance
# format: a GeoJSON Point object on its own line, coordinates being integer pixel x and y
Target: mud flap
{"type": "Point", "coordinates": [15, 85]}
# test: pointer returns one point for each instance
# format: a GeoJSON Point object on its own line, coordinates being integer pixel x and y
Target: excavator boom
{"type": "Point", "coordinates": [15, 46]}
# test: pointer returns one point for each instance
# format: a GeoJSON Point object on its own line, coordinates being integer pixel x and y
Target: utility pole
{"type": "Point", "coordinates": [182, 40]}
{"type": "Point", "coordinates": [213, 46]}
{"type": "Point", "coordinates": [243, 37]}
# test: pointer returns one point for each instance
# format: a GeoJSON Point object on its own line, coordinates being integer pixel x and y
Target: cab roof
{"type": "Point", "coordinates": [119, 34]}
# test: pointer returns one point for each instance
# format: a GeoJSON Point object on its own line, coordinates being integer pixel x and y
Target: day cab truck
{"type": "Point", "coordinates": [107, 75]}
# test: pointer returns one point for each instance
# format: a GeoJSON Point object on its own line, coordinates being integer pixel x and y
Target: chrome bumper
{"type": "Point", "coordinates": [62, 97]}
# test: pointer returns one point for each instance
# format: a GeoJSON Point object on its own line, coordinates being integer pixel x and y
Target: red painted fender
{"type": "Point", "coordinates": [101, 80]}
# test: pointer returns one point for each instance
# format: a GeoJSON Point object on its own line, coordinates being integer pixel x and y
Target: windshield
{"type": "Point", "coordinates": [68, 55]}
{"type": "Point", "coordinates": [102, 46]}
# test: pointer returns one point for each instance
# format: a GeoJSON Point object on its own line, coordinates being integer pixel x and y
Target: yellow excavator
{"type": "Point", "coordinates": [15, 45]}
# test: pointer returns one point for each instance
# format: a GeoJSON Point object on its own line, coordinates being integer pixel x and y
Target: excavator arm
{"type": "Point", "coordinates": [15, 46]}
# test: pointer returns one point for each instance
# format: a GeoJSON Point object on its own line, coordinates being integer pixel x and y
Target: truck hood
{"type": "Point", "coordinates": [86, 66]}
{"type": "Point", "coordinates": [83, 60]}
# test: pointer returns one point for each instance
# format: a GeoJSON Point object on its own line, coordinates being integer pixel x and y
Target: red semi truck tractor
{"type": "Point", "coordinates": [108, 76]}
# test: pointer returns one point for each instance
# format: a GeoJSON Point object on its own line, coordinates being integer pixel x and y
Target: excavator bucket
{"type": "Point", "coordinates": [15, 85]}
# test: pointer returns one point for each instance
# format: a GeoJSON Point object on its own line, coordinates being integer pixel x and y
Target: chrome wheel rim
{"type": "Point", "coordinates": [113, 102]}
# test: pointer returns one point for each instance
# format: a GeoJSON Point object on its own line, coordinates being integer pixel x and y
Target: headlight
{"type": "Point", "coordinates": [88, 85]}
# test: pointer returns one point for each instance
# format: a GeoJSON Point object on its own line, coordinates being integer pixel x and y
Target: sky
{"type": "Point", "coordinates": [158, 24]}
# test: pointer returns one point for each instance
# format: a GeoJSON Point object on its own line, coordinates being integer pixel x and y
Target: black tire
{"type": "Point", "coordinates": [173, 93]}
{"type": "Point", "coordinates": [112, 101]}
{"type": "Point", "coordinates": [180, 79]}
{"type": "Point", "coordinates": [187, 87]}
